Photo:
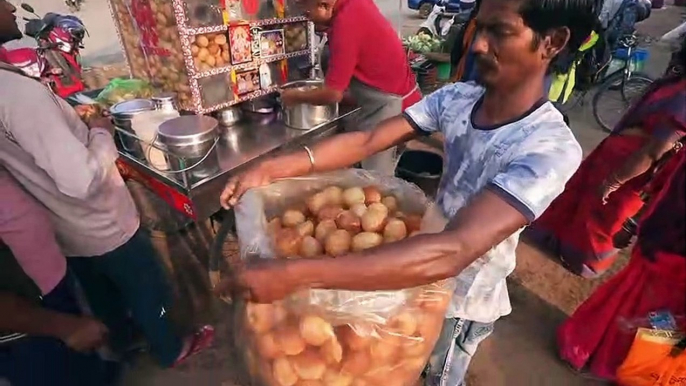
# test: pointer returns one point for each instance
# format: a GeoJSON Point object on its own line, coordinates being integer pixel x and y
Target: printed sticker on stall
{"type": "Point", "coordinates": [265, 76]}
{"type": "Point", "coordinates": [271, 43]}
{"type": "Point", "coordinates": [247, 81]}
{"type": "Point", "coordinates": [240, 44]}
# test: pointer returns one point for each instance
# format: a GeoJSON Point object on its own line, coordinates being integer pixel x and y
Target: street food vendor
{"type": "Point", "coordinates": [508, 155]}
{"type": "Point", "coordinates": [368, 60]}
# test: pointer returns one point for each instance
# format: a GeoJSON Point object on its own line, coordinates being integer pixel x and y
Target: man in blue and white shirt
{"type": "Point", "coordinates": [508, 155]}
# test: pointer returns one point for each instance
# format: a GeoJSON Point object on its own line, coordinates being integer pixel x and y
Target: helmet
{"type": "Point", "coordinates": [61, 38]}
{"type": "Point", "coordinates": [72, 25]}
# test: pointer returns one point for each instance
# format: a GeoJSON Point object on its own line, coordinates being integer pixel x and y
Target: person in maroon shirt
{"type": "Point", "coordinates": [368, 60]}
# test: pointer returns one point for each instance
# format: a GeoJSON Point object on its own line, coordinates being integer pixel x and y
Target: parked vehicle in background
{"type": "Point", "coordinates": [612, 68]}
{"type": "Point", "coordinates": [74, 5]}
{"type": "Point", "coordinates": [439, 21]}
{"type": "Point", "coordinates": [424, 7]}
{"type": "Point", "coordinates": [56, 60]}
{"type": "Point", "coordinates": [616, 81]}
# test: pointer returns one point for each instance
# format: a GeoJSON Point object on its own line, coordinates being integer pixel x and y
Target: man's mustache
{"type": "Point", "coordinates": [485, 62]}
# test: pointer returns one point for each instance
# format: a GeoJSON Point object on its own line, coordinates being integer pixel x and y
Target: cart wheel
{"type": "Point", "coordinates": [425, 10]}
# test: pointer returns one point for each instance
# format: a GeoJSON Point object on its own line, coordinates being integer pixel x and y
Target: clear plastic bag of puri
{"type": "Point", "coordinates": [336, 337]}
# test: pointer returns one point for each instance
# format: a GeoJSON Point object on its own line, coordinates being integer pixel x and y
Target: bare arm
{"type": "Point", "coordinates": [79, 333]}
{"type": "Point", "coordinates": [318, 96]}
{"type": "Point", "coordinates": [485, 222]}
{"type": "Point", "coordinates": [20, 315]}
{"type": "Point", "coordinates": [333, 153]}
{"type": "Point", "coordinates": [642, 160]}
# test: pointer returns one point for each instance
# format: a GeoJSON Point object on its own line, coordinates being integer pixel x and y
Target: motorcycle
{"type": "Point", "coordinates": [56, 59]}
{"type": "Point", "coordinates": [74, 5]}
{"type": "Point", "coordinates": [438, 23]}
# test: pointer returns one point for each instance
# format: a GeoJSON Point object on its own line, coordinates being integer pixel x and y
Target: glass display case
{"type": "Point", "coordinates": [213, 54]}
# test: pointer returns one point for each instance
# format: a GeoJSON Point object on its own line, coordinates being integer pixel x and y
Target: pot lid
{"type": "Point", "coordinates": [188, 127]}
{"type": "Point", "coordinates": [132, 107]}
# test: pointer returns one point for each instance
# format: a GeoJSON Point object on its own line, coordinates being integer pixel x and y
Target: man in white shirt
{"type": "Point", "coordinates": [509, 154]}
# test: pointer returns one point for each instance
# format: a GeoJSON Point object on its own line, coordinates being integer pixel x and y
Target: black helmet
{"type": "Point", "coordinates": [73, 25]}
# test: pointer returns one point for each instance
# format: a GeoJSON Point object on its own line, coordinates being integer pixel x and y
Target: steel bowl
{"type": "Point", "coordinates": [306, 116]}
{"type": "Point", "coordinates": [229, 116]}
{"type": "Point", "coordinates": [263, 105]}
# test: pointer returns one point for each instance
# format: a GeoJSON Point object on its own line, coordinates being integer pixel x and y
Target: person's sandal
{"type": "Point", "coordinates": [582, 373]}
{"type": "Point", "coordinates": [201, 340]}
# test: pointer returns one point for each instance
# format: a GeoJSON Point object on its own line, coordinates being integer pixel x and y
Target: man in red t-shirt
{"type": "Point", "coordinates": [368, 60]}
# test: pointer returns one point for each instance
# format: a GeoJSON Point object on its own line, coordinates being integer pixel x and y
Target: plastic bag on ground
{"type": "Point", "coordinates": [335, 337]}
{"type": "Point", "coordinates": [653, 361]}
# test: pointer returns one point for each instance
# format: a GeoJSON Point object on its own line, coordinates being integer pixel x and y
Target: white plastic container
{"type": "Point", "coordinates": [146, 126]}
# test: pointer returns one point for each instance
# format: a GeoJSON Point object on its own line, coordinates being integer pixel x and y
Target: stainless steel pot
{"type": "Point", "coordinates": [263, 105]}
{"type": "Point", "coordinates": [229, 116]}
{"type": "Point", "coordinates": [165, 101]}
{"type": "Point", "coordinates": [191, 142]}
{"type": "Point", "coordinates": [306, 116]}
{"type": "Point", "coordinates": [122, 114]}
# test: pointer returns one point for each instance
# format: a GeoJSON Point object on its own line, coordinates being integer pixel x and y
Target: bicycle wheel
{"type": "Point", "coordinates": [575, 99]}
{"type": "Point", "coordinates": [611, 102]}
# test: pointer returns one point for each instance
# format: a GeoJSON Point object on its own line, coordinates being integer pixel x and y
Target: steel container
{"type": "Point", "coordinates": [306, 116]}
{"type": "Point", "coordinates": [229, 116]}
{"type": "Point", "coordinates": [190, 141]}
{"type": "Point", "coordinates": [165, 102]}
{"type": "Point", "coordinates": [122, 115]}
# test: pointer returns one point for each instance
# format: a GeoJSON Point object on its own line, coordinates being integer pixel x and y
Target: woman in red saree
{"type": "Point", "coordinates": [600, 332]}
{"type": "Point", "coordinates": [579, 225]}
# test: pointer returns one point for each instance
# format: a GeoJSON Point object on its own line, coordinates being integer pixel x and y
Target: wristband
{"type": "Point", "coordinates": [310, 155]}
{"type": "Point", "coordinates": [630, 225]}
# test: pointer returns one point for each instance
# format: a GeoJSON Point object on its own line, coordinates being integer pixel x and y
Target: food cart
{"type": "Point", "coordinates": [216, 65]}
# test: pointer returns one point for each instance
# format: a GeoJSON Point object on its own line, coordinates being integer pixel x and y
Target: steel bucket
{"type": "Point", "coordinates": [190, 141]}
{"type": "Point", "coordinates": [306, 116]}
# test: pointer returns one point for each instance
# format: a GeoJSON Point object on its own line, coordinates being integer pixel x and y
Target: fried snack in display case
{"type": "Point", "coordinates": [152, 44]}
{"type": "Point", "coordinates": [210, 51]}
{"type": "Point", "coordinates": [182, 46]}
{"type": "Point", "coordinates": [296, 36]}
{"type": "Point", "coordinates": [336, 337]}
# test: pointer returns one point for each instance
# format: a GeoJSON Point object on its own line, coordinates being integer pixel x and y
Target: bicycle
{"type": "Point", "coordinates": [624, 81]}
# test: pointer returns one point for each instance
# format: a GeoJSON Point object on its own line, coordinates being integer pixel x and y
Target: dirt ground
{"type": "Point", "coordinates": [521, 351]}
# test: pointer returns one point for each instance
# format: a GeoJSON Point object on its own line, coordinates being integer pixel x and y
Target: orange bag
{"type": "Point", "coordinates": [650, 361]}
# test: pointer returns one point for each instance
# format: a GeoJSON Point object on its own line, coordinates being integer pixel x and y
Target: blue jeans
{"type": "Point", "coordinates": [454, 350]}
{"type": "Point", "coordinates": [131, 278]}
